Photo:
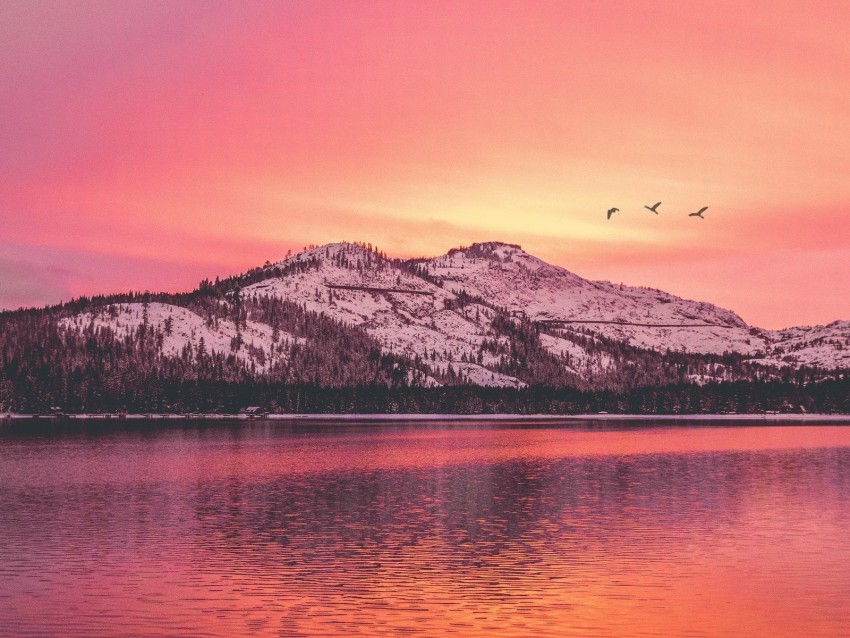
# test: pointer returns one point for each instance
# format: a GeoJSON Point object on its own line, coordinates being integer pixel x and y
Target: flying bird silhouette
{"type": "Point", "coordinates": [653, 208]}
{"type": "Point", "coordinates": [611, 211]}
{"type": "Point", "coordinates": [699, 212]}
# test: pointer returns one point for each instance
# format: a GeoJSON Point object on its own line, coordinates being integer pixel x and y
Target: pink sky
{"type": "Point", "coordinates": [147, 145]}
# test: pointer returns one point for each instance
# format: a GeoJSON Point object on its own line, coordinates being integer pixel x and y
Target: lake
{"type": "Point", "coordinates": [488, 528]}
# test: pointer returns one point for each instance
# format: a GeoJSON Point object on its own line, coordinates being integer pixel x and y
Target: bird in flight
{"type": "Point", "coordinates": [611, 211]}
{"type": "Point", "coordinates": [699, 212]}
{"type": "Point", "coordinates": [653, 208]}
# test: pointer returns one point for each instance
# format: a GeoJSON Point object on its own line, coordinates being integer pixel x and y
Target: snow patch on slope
{"type": "Point", "coordinates": [823, 346]}
{"type": "Point", "coordinates": [523, 283]}
{"type": "Point", "coordinates": [415, 325]}
{"type": "Point", "coordinates": [187, 328]}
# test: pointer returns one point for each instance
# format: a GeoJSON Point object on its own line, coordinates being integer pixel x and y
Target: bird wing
{"type": "Point", "coordinates": [703, 209]}
{"type": "Point", "coordinates": [657, 204]}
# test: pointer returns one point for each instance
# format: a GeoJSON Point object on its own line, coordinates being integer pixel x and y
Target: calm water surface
{"type": "Point", "coordinates": [443, 528]}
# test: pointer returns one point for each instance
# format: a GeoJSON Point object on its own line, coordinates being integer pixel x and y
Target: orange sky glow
{"type": "Point", "coordinates": [147, 145]}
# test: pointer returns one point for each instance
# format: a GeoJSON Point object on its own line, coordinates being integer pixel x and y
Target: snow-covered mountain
{"type": "Point", "coordinates": [440, 312]}
{"type": "Point", "coordinates": [823, 346]}
{"type": "Point", "coordinates": [524, 283]}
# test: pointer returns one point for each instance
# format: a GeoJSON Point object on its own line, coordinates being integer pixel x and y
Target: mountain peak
{"type": "Point", "coordinates": [331, 251]}
{"type": "Point", "coordinates": [488, 250]}
{"type": "Point", "coordinates": [494, 245]}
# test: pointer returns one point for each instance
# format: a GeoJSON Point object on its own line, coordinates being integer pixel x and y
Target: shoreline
{"type": "Point", "coordinates": [809, 417]}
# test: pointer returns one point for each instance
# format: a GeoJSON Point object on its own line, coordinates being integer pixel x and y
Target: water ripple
{"type": "Point", "coordinates": [409, 532]}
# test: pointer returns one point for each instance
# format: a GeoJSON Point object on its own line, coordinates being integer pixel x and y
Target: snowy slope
{"type": "Point", "coordinates": [824, 346]}
{"type": "Point", "coordinates": [187, 328]}
{"type": "Point", "coordinates": [420, 314]}
{"type": "Point", "coordinates": [522, 282]}
{"type": "Point", "coordinates": [409, 324]}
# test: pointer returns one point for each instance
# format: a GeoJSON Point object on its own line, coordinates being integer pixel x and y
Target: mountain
{"type": "Point", "coordinates": [345, 315]}
{"type": "Point", "coordinates": [466, 286]}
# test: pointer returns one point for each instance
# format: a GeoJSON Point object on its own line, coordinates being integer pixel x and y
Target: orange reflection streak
{"type": "Point", "coordinates": [430, 448]}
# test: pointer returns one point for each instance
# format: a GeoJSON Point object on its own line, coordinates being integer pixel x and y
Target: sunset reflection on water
{"type": "Point", "coordinates": [437, 529]}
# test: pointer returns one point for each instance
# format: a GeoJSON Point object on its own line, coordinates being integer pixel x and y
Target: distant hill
{"type": "Point", "coordinates": [347, 316]}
